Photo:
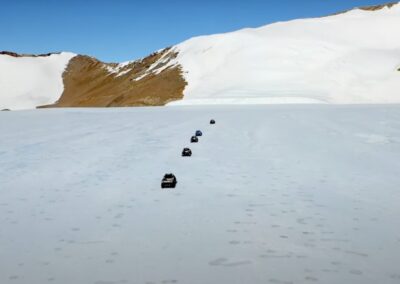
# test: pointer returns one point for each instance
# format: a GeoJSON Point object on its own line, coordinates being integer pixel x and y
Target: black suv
{"type": "Point", "coordinates": [194, 139]}
{"type": "Point", "coordinates": [186, 152]}
{"type": "Point", "coordinates": [212, 121]}
{"type": "Point", "coordinates": [169, 181]}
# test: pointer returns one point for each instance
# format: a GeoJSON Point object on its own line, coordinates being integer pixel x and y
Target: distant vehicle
{"type": "Point", "coordinates": [194, 139]}
{"type": "Point", "coordinates": [169, 181]}
{"type": "Point", "coordinates": [199, 133]}
{"type": "Point", "coordinates": [212, 121]}
{"type": "Point", "coordinates": [186, 152]}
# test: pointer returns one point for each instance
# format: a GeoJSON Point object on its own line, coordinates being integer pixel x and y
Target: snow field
{"type": "Point", "coordinates": [272, 194]}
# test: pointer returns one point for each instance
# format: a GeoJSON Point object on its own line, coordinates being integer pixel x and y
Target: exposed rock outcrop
{"type": "Point", "coordinates": [152, 81]}
{"type": "Point", "coordinates": [378, 7]}
{"type": "Point", "coordinates": [369, 8]}
{"type": "Point", "coordinates": [14, 54]}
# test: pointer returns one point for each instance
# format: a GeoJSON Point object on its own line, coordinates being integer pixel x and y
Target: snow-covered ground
{"type": "Point", "coordinates": [28, 82]}
{"type": "Point", "coordinates": [272, 194]}
{"type": "Point", "coordinates": [348, 58]}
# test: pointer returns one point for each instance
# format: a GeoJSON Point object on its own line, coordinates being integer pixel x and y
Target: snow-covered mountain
{"type": "Point", "coordinates": [30, 81]}
{"type": "Point", "coordinates": [352, 57]}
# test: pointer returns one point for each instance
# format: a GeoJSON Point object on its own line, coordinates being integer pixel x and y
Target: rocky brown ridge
{"type": "Point", "coordinates": [14, 54]}
{"type": "Point", "coordinates": [378, 7]}
{"type": "Point", "coordinates": [369, 8]}
{"type": "Point", "coordinates": [89, 82]}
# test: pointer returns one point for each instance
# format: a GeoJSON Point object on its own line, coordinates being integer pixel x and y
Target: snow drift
{"type": "Point", "coordinates": [27, 82]}
{"type": "Point", "coordinates": [347, 58]}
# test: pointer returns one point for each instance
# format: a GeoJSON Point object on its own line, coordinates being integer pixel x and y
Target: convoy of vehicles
{"type": "Point", "coordinates": [169, 180]}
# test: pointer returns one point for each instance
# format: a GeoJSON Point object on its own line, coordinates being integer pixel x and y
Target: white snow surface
{"type": "Point", "coordinates": [28, 82]}
{"type": "Point", "coordinates": [272, 194]}
{"type": "Point", "coordinates": [346, 58]}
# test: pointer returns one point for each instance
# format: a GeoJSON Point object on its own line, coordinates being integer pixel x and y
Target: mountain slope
{"type": "Point", "coordinates": [347, 58]}
{"type": "Point", "coordinates": [89, 82]}
{"type": "Point", "coordinates": [352, 57]}
{"type": "Point", "coordinates": [30, 81]}
{"type": "Point", "coordinates": [70, 80]}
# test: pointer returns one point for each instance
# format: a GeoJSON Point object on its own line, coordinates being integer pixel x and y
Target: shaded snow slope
{"type": "Point", "coordinates": [272, 194]}
{"type": "Point", "coordinates": [346, 58]}
{"type": "Point", "coordinates": [28, 82]}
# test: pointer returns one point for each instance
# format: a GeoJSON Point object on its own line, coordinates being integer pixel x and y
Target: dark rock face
{"type": "Point", "coordinates": [13, 54]}
{"type": "Point", "coordinates": [9, 53]}
{"type": "Point", "coordinates": [378, 7]}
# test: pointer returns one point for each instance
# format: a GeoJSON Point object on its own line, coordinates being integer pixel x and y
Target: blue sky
{"type": "Point", "coordinates": [120, 30]}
